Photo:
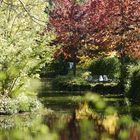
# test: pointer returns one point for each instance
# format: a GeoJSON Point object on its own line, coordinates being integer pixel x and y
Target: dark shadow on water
{"type": "Point", "coordinates": [66, 102]}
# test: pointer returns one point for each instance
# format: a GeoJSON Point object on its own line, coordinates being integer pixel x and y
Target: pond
{"type": "Point", "coordinates": [66, 102]}
{"type": "Point", "coordinates": [52, 120]}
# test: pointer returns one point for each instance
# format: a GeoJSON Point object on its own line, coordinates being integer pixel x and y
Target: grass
{"type": "Point", "coordinates": [61, 102]}
{"type": "Point", "coordinates": [65, 103]}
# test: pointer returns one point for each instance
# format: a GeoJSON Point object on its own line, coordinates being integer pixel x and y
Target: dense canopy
{"type": "Point", "coordinates": [100, 24]}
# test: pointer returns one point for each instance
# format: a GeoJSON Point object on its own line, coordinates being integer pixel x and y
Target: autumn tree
{"type": "Point", "coordinates": [126, 28]}
{"type": "Point", "coordinates": [125, 31]}
{"type": "Point", "coordinates": [79, 24]}
{"type": "Point", "coordinates": [101, 25]}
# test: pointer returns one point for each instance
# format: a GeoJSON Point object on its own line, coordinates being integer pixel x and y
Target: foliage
{"type": "Point", "coordinates": [96, 108]}
{"type": "Point", "coordinates": [126, 28]}
{"type": "Point", "coordinates": [28, 103]}
{"type": "Point", "coordinates": [78, 24]}
{"type": "Point", "coordinates": [69, 82]}
{"type": "Point", "coordinates": [106, 66]}
{"type": "Point", "coordinates": [23, 50]}
{"type": "Point", "coordinates": [85, 62]}
{"type": "Point", "coordinates": [96, 25]}
{"type": "Point", "coordinates": [58, 66]}
{"type": "Point", "coordinates": [18, 121]}
{"type": "Point", "coordinates": [107, 124]}
{"type": "Point", "coordinates": [96, 28]}
{"type": "Point", "coordinates": [134, 88]}
{"type": "Point", "coordinates": [26, 128]}
{"type": "Point", "coordinates": [22, 103]}
{"type": "Point", "coordinates": [127, 81]}
{"type": "Point", "coordinates": [79, 83]}
{"type": "Point", "coordinates": [8, 106]}
{"type": "Point", "coordinates": [99, 105]}
{"type": "Point", "coordinates": [86, 75]}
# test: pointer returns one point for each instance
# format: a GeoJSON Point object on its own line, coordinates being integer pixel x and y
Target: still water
{"type": "Point", "coordinates": [58, 111]}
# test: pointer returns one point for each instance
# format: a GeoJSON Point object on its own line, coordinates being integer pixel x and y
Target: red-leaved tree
{"type": "Point", "coordinates": [101, 23]}
{"type": "Point", "coordinates": [78, 24]}
{"type": "Point", "coordinates": [126, 28]}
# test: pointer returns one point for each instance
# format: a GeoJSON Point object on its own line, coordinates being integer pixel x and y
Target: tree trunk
{"type": "Point", "coordinates": [122, 82]}
{"type": "Point", "coordinates": [74, 65]}
{"type": "Point", "coordinates": [122, 73]}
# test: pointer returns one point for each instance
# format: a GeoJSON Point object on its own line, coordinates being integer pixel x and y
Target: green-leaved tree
{"type": "Point", "coordinates": [23, 50]}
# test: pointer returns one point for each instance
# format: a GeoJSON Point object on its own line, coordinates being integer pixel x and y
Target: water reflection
{"type": "Point", "coordinates": [62, 124]}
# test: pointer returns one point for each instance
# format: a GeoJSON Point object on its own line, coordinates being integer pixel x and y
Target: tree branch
{"type": "Point", "coordinates": [36, 20]}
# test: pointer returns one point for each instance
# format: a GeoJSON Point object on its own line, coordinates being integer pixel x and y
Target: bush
{"type": "Point", "coordinates": [131, 80]}
{"type": "Point", "coordinates": [34, 104]}
{"type": "Point", "coordinates": [25, 127]}
{"type": "Point", "coordinates": [8, 105]}
{"type": "Point", "coordinates": [59, 66]}
{"type": "Point", "coordinates": [79, 83]}
{"type": "Point", "coordinates": [70, 82]}
{"type": "Point", "coordinates": [106, 66]}
{"type": "Point", "coordinates": [134, 84]}
{"type": "Point", "coordinates": [21, 103]}
{"type": "Point", "coordinates": [86, 75]}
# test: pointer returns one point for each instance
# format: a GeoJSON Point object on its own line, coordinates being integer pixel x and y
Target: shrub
{"type": "Point", "coordinates": [25, 127]}
{"type": "Point", "coordinates": [70, 82]}
{"type": "Point", "coordinates": [85, 62]}
{"type": "Point", "coordinates": [35, 104]}
{"type": "Point", "coordinates": [86, 74]}
{"type": "Point", "coordinates": [106, 66]}
{"type": "Point", "coordinates": [22, 103]}
{"type": "Point", "coordinates": [59, 66]}
{"type": "Point", "coordinates": [28, 103]}
{"type": "Point", "coordinates": [8, 105]}
{"type": "Point", "coordinates": [134, 84]}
